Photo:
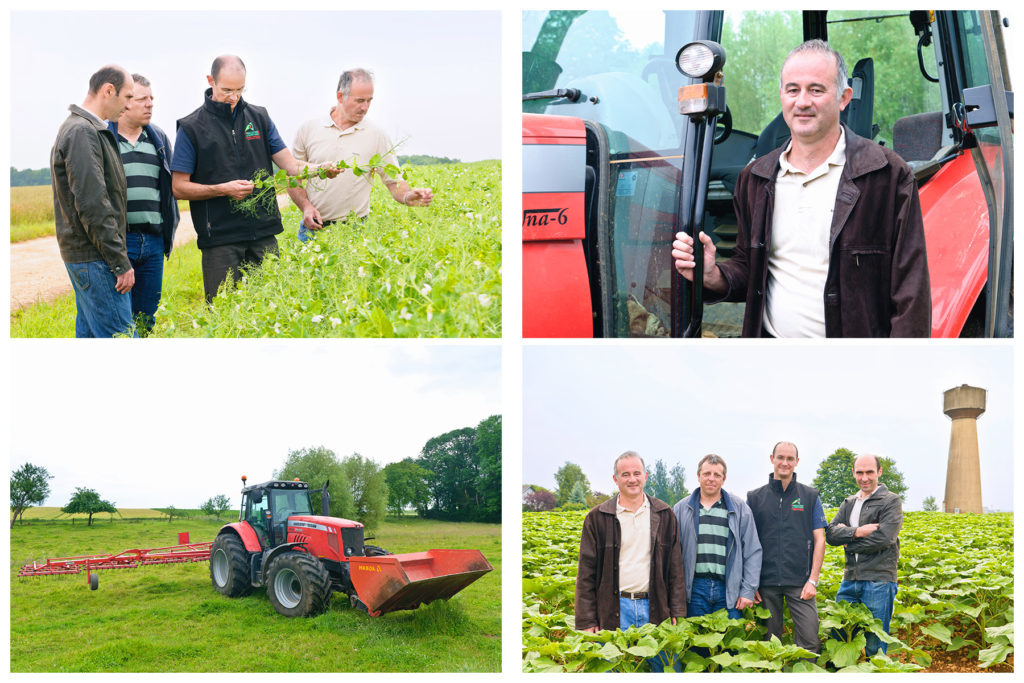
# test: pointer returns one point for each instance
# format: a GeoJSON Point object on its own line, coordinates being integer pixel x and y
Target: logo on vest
{"type": "Point", "coordinates": [250, 132]}
{"type": "Point", "coordinates": [797, 505]}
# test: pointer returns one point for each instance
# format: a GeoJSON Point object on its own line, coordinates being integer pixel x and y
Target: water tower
{"type": "Point", "coordinates": [963, 405]}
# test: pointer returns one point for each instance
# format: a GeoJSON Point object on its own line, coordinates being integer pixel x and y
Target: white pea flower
{"type": "Point", "coordinates": [405, 314]}
{"type": "Point", "coordinates": [425, 291]}
{"type": "Point", "coordinates": [484, 299]}
{"type": "Point", "coordinates": [317, 318]}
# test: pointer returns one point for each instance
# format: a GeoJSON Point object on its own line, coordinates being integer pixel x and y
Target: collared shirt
{"type": "Point", "coordinates": [142, 172]}
{"type": "Point", "coordinates": [635, 551]}
{"type": "Point", "coordinates": [799, 255]}
{"type": "Point", "coordinates": [94, 116]}
{"type": "Point", "coordinates": [857, 505]}
{"type": "Point", "coordinates": [322, 140]}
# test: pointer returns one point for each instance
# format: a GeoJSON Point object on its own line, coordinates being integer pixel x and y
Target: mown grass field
{"type": "Point", "coordinates": [403, 272]}
{"type": "Point", "coordinates": [168, 618]}
{"type": "Point", "coordinates": [32, 212]}
{"type": "Point", "coordinates": [953, 611]}
{"type": "Point", "coordinates": [54, 513]}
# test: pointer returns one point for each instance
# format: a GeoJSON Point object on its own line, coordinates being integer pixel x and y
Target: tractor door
{"type": "Point", "coordinates": [257, 513]}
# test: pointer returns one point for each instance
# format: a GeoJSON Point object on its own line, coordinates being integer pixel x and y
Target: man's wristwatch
{"type": "Point", "coordinates": [812, 582]}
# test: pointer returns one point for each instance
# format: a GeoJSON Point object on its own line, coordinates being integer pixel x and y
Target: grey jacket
{"type": "Point", "coordinates": [743, 559]}
{"type": "Point", "coordinates": [90, 203]}
{"type": "Point", "coordinates": [874, 557]}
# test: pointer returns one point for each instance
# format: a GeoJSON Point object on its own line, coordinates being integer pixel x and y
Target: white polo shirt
{"type": "Point", "coordinates": [635, 551]}
{"type": "Point", "coordinates": [799, 254]}
{"type": "Point", "coordinates": [322, 140]}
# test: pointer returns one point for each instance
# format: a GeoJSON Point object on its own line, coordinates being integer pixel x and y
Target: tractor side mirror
{"type": "Point", "coordinates": [257, 496]}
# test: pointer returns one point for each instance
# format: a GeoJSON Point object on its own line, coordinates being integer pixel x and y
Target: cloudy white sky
{"type": "Point", "coordinates": [438, 74]}
{"type": "Point", "coordinates": [158, 424]}
{"type": "Point", "coordinates": [738, 399]}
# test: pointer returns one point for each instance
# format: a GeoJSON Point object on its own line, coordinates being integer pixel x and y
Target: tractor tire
{"type": "Point", "coordinates": [298, 585]}
{"type": "Point", "coordinates": [229, 566]}
{"type": "Point", "coordinates": [374, 551]}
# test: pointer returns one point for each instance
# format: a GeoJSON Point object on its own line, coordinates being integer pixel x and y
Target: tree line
{"type": "Point", "coordinates": [833, 481]}
{"type": "Point", "coordinates": [456, 477]}
{"type": "Point", "coordinates": [30, 176]}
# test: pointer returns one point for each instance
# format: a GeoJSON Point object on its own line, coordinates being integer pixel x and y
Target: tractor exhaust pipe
{"type": "Point", "coordinates": [325, 500]}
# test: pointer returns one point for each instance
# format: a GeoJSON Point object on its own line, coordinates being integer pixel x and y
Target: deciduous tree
{"type": "Point", "coordinates": [30, 485]}
{"type": "Point", "coordinates": [369, 489]}
{"type": "Point", "coordinates": [318, 465]}
{"type": "Point", "coordinates": [408, 484]}
{"type": "Point", "coordinates": [835, 481]}
{"type": "Point", "coordinates": [566, 478]}
{"type": "Point", "coordinates": [87, 502]}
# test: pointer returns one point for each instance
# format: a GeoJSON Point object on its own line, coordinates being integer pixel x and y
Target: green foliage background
{"type": "Point", "coordinates": [955, 579]}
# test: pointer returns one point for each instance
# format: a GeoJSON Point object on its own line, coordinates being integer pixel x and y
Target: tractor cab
{"type": "Point", "coordinates": [612, 169]}
{"type": "Point", "coordinates": [267, 507]}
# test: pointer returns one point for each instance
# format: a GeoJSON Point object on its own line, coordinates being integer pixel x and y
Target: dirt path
{"type": "Point", "coordinates": [38, 273]}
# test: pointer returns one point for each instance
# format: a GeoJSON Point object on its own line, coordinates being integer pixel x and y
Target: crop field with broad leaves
{"type": "Point", "coordinates": [954, 609]}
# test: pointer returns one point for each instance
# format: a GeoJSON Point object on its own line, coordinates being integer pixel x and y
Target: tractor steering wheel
{"type": "Point", "coordinates": [723, 126]}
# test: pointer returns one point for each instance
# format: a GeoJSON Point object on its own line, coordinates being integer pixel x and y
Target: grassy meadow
{"type": "Point", "coordinates": [32, 212]}
{"type": "Point", "coordinates": [168, 618]}
{"type": "Point", "coordinates": [403, 272]}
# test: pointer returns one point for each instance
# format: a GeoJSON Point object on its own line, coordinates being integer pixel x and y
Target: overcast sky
{"type": "Point", "coordinates": [173, 422]}
{"type": "Point", "coordinates": [437, 74]}
{"type": "Point", "coordinates": [738, 399]}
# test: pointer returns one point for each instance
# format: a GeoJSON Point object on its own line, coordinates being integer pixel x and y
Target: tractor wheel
{"type": "Point", "coordinates": [374, 551]}
{"type": "Point", "coordinates": [229, 566]}
{"type": "Point", "coordinates": [298, 585]}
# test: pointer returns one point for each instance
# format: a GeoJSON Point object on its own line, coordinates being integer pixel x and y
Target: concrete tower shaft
{"type": "Point", "coordinates": [963, 405]}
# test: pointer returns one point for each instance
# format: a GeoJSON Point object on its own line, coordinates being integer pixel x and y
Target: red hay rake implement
{"type": "Point", "coordinates": [126, 559]}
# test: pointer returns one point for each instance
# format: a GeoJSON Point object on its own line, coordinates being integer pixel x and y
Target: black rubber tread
{"type": "Point", "coordinates": [374, 551]}
{"type": "Point", "coordinates": [237, 583]}
{"type": "Point", "coordinates": [313, 580]}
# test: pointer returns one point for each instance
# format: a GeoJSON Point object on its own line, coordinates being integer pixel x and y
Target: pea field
{"type": "Point", "coordinates": [953, 613]}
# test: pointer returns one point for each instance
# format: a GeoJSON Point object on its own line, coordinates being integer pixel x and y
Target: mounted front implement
{"type": "Point", "coordinates": [301, 559]}
{"type": "Point", "coordinates": [126, 559]}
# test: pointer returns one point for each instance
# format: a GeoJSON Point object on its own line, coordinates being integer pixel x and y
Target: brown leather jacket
{"type": "Point", "coordinates": [597, 579]}
{"type": "Point", "coordinates": [877, 283]}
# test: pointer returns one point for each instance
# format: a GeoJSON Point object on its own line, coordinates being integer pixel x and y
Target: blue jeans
{"type": "Point", "coordinates": [305, 234]}
{"type": "Point", "coordinates": [637, 613]}
{"type": "Point", "coordinates": [146, 252]}
{"type": "Point", "coordinates": [708, 596]}
{"type": "Point", "coordinates": [102, 312]}
{"type": "Point", "coordinates": [878, 597]}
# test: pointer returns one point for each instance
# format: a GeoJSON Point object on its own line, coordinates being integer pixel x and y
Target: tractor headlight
{"type": "Point", "coordinates": [700, 59]}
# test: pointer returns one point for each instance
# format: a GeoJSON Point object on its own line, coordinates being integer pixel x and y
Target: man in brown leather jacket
{"type": "Point", "coordinates": [630, 565]}
{"type": "Point", "coordinates": [831, 238]}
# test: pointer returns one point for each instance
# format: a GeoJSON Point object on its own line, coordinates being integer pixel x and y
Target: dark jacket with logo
{"type": "Point", "coordinates": [90, 193]}
{"type": "Point", "coordinates": [877, 283]}
{"type": "Point", "coordinates": [874, 557]}
{"type": "Point", "coordinates": [785, 528]}
{"type": "Point", "coordinates": [229, 147]}
{"type": "Point", "coordinates": [168, 204]}
{"type": "Point", "coordinates": [597, 579]}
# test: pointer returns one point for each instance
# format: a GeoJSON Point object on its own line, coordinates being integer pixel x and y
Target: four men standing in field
{"type": "Point", "coordinates": [728, 554]}
{"type": "Point", "coordinates": [115, 185]}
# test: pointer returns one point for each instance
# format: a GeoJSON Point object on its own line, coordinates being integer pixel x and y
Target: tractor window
{"type": "Point", "coordinates": [619, 61]}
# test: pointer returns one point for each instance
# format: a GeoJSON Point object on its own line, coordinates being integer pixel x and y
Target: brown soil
{"type": "Point", "coordinates": [960, 662]}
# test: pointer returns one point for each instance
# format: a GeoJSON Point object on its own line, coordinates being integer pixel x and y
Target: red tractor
{"type": "Point", "coordinates": [300, 557]}
{"type": "Point", "coordinates": [623, 147]}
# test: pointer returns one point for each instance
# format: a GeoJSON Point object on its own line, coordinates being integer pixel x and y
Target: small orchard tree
{"type": "Point", "coordinates": [30, 485]}
{"type": "Point", "coordinates": [216, 505]}
{"type": "Point", "coordinates": [929, 504]}
{"type": "Point", "coordinates": [87, 502]}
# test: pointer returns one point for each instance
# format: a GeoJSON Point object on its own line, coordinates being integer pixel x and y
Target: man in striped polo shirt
{"type": "Point", "coordinates": [152, 208]}
{"type": "Point", "coordinates": [718, 538]}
